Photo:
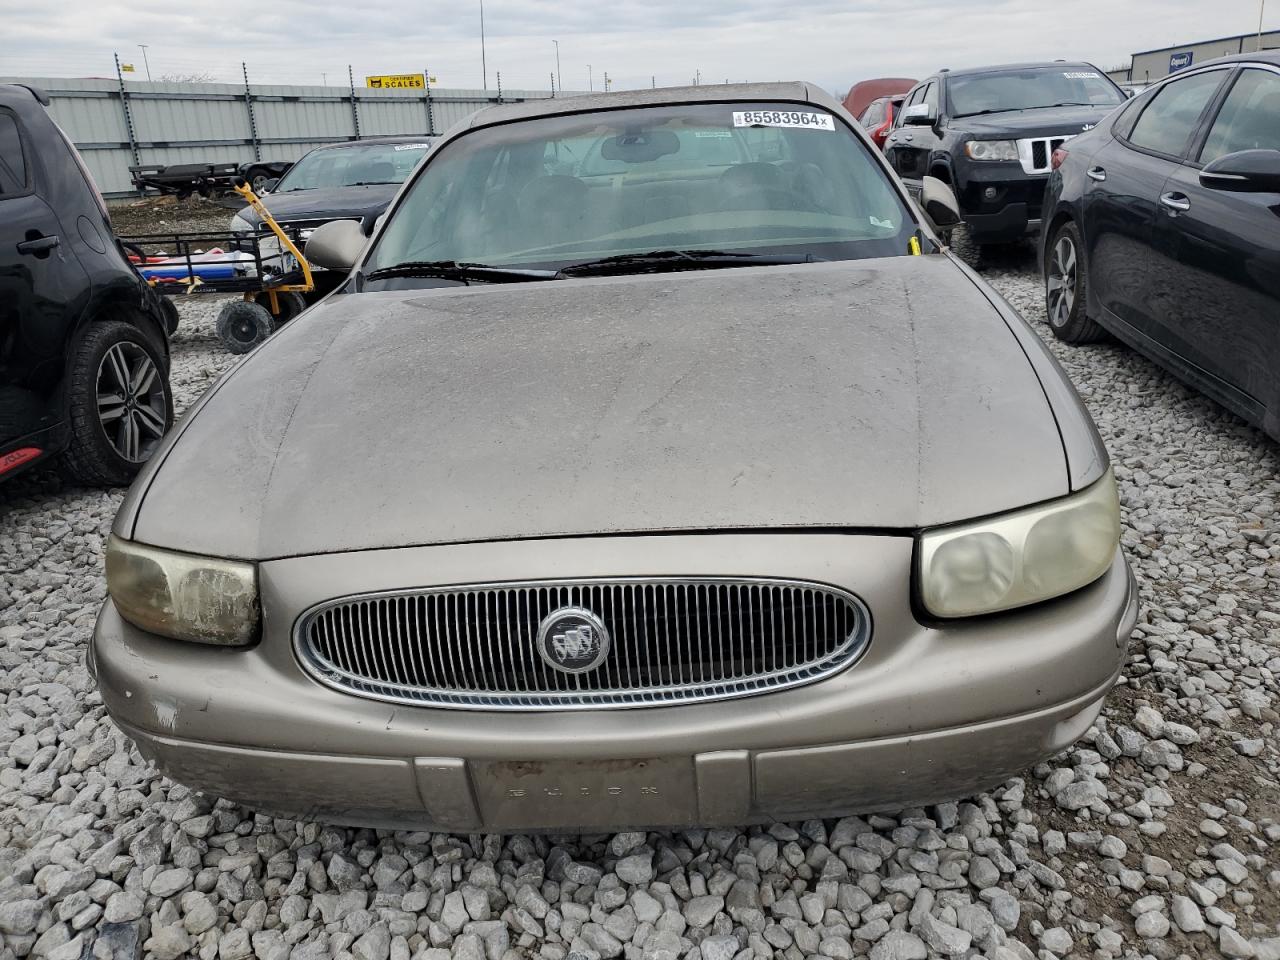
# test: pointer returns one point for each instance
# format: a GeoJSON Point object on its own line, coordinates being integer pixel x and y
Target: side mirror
{"type": "Point", "coordinates": [335, 245]}
{"type": "Point", "coordinates": [919, 115]}
{"type": "Point", "coordinates": [1130, 93]}
{"type": "Point", "coordinates": [268, 186]}
{"type": "Point", "coordinates": [1247, 171]}
{"type": "Point", "coordinates": [939, 203]}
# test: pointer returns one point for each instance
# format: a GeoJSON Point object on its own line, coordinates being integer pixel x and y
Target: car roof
{"type": "Point", "coordinates": [21, 91]}
{"type": "Point", "coordinates": [374, 141]}
{"type": "Point", "coordinates": [793, 91]}
{"type": "Point", "coordinates": [1271, 57]}
{"type": "Point", "coordinates": [998, 67]}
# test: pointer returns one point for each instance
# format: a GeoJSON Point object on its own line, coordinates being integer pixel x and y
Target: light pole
{"type": "Point", "coordinates": [144, 46]}
{"type": "Point", "coordinates": [559, 82]}
{"type": "Point", "coordinates": [1262, 6]}
{"type": "Point", "coordinates": [483, 67]}
{"type": "Point", "coordinates": [591, 81]}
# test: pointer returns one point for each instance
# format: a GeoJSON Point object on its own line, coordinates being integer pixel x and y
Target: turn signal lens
{"type": "Point", "coordinates": [1022, 557]}
{"type": "Point", "coordinates": [182, 596]}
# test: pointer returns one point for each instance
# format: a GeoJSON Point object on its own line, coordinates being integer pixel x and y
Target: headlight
{"type": "Point", "coordinates": [1022, 557]}
{"type": "Point", "coordinates": [182, 596]}
{"type": "Point", "coordinates": [991, 150]}
{"type": "Point", "coordinates": [240, 225]}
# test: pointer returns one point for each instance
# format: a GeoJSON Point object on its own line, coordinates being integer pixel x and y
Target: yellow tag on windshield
{"type": "Point", "coordinates": [913, 246]}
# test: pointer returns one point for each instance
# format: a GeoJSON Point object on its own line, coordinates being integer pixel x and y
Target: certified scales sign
{"type": "Point", "coordinates": [401, 81]}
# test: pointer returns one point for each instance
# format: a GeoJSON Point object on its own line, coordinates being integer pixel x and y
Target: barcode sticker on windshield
{"type": "Point", "coordinates": [784, 118]}
{"type": "Point", "coordinates": [1081, 75]}
{"type": "Point", "coordinates": [412, 146]}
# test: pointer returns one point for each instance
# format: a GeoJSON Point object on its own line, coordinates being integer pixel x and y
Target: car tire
{"type": "Point", "coordinates": [1066, 285]}
{"type": "Point", "coordinates": [119, 403]}
{"type": "Point", "coordinates": [257, 177]}
{"type": "Point", "coordinates": [243, 325]}
{"type": "Point", "coordinates": [291, 304]}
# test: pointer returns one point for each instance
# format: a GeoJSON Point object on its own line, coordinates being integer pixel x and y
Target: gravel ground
{"type": "Point", "coordinates": [1157, 835]}
{"type": "Point", "coordinates": [171, 215]}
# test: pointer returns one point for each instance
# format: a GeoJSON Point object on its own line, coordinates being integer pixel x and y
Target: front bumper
{"type": "Point", "coordinates": [1012, 213]}
{"type": "Point", "coordinates": [930, 712]}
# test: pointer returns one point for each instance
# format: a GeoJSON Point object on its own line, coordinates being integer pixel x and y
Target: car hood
{"type": "Point", "coordinates": [872, 394]}
{"type": "Point", "coordinates": [336, 203]}
{"type": "Point", "coordinates": [1044, 122]}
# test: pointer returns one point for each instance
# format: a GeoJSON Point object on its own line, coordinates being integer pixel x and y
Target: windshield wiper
{"type": "Point", "coordinates": [373, 183]}
{"type": "Point", "coordinates": [465, 272]}
{"type": "Point", "coordinates": [660, 260]}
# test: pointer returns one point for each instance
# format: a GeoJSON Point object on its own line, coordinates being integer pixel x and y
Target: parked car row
{"type": "Point", "coordinates": [1161, 217]}
{"type": "Point", "coordinates": [666, 400]}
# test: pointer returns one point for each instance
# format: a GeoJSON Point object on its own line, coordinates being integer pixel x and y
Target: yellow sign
{"type": "Point", "coordinates": [401, 81]}
{"type": "Point", "coordinates": [126, 67]}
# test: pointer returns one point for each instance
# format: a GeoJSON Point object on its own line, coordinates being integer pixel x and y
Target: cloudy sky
{"type": "Point", "coordinates": [831, 43]}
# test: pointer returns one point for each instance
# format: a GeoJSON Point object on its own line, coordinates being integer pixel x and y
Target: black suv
{"type": "Point", "coordinates": [84, 351]}
{"type": "Point", "coordinates": [990, 132]}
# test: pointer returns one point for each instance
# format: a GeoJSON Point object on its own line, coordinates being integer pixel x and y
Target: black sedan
{"type": "Point", "coordinates": [342, 181]}
{"type": "Point", "coordinates": [1164, 230]}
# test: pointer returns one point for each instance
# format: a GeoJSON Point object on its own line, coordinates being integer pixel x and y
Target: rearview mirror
{"type": "Point", "coordinates": [1248, 171]}
{"type": "Point", "coordinates": [335, 245]}
{"type": "Point", "coordinates": [919, 115]}
{"type": "Point", "coordinates": [939, 203]}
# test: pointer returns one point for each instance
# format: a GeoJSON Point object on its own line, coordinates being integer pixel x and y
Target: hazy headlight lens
{"type": "Point", "coordinates": [991, 149]}
{"type": "Point", "coordinates": [240, 225]}
{"type": "Point", "coordinates": [186, 597]}
{"type": "Point", "coordinates": [972, 571]}
{"type": "Point", "coordinates": [1022, 557]}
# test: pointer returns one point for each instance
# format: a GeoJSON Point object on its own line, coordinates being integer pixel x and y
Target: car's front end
{"type": "Point", "coordinates": [399, 688]}
{"type": "Point", "coordinates": [1003, 128]}
{"type": "Point", "coordinates": [1000, 174]}
{"type": "Point", "coordinates": [650, 539]}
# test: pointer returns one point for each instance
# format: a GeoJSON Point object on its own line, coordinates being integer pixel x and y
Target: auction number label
{"type": "Point", "coordinates": [784, 118]}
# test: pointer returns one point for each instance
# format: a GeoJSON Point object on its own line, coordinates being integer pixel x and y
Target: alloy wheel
{"type": "Point", "coordinates": [1061, 283]}
{"type": "Point", "coordinates": [132, 406]}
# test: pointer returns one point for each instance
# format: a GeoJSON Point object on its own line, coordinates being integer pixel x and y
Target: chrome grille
{"type": "Point", "coordinates": [1036, 154]}
{"type": "Point", "coordinates": [673, 641]}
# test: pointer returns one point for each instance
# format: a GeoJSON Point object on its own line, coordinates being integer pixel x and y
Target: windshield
{"type": "Point", "coordinates": [1028, 88]}
{"type": "Point", "coordinates": [353, 166]}
{"type": "Point", "coordinates": [768, 179]}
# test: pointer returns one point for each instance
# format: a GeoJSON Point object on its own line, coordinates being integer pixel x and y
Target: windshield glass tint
{"type": "Point", "coordinates": [1028, 88]}
{"type": "Point", "coordinates": [777, 179]}
{"type": "Point", "coordinates": [354, 165]}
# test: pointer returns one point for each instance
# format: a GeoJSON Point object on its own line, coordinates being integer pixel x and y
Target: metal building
{"type": "Point", "coordinates": [1150, 65]}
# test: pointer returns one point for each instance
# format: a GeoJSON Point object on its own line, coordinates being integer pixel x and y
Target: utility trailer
{"type": "Point", "coordinates": [207, 179]}
{"type": "Point", "coordinates": [267, 269]}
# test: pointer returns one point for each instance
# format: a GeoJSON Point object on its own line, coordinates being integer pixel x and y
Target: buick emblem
{"type": "Point", "coordinates": [573, 640]}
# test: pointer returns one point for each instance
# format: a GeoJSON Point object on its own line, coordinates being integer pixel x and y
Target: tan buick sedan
{"type": "Point", "coordinates": [655, 465]}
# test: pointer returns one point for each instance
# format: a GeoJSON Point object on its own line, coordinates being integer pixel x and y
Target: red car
{"type": "Point", "coordinates": [874, 103]}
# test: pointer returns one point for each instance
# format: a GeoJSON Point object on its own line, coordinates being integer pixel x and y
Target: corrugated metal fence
{"type": "Point", "coordinates": [117, 125]}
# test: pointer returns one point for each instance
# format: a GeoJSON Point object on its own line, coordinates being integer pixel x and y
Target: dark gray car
{"type": "Point", "coordinates": [655, 464]}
